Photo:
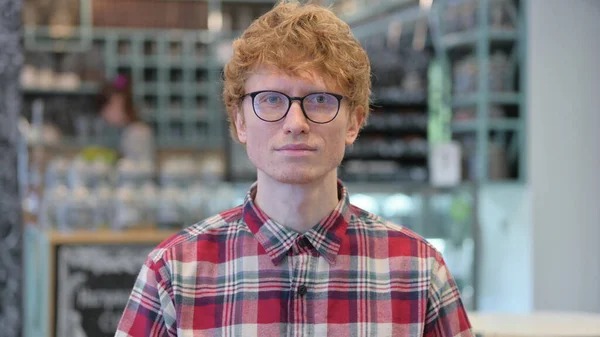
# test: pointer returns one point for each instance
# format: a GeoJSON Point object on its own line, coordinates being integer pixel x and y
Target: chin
{"type": "Point", "coordinates": [296, 176]}
{"type": "Point", "coordinates": [295, 179]}
{"type": "Point", "coordinates": [297, 172]}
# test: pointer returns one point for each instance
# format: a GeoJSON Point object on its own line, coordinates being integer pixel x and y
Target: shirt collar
{"type": "Point", "coordinates": [276, 239]}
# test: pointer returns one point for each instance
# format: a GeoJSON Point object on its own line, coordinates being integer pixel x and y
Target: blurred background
{"type": "Point", "coordinates": [483, 138]}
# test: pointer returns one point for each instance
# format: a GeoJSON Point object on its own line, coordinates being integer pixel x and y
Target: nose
{"type": "Point", "coordinates": [295, 122]}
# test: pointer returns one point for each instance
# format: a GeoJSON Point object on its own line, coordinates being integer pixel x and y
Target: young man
{"type": "Point", "coordinates": [296, 259]}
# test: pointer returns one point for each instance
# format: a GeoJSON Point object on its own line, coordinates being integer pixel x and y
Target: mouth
{"type": "Point", "coordinates": [296, 148]}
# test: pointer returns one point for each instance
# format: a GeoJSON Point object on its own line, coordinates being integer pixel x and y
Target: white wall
{"type": "Point", "coordinates": [564, 152]}
{"type": "Point", "coordinates": [540, 243]}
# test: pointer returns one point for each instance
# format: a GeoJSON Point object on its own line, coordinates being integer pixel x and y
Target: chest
{"type": "Point", "coordinates": [303, 295]}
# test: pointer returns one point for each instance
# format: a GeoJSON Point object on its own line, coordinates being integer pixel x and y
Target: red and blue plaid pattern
{"type": "Point", "coordinates": [242, 274]}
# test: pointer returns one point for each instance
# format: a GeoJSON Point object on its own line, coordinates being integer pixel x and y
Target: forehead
{"type": "Point", "coordinates": [304, 81]}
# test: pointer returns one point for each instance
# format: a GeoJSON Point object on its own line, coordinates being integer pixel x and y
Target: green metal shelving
{"type": "Point", "coordinates": [366, 12]}
{"type": "Point", "coordinates": [496, 124]}
{"type": "Point", "coordinates": [82, 89]}
{"type": "Point", "coordinates": [178, 93]}
{"type": "Point", "coordinates": [480, 40]}
{"type": "Point", "coordinates": [165, 82]}
{"type": "Point", "coordinates": [373, 20]}
{"type": "Point", "coordinates": [46, 39]}
{"type": "Point", "coordinates": [173, 79]}
{"type": "Point", "coordinates": [396, 97]}
{"type": "Point", "coordinates": [499, 98]}
{"type": "Point", "coordinates": [470, 38]}
{"type": "Point", "coordinates": [186, 89]}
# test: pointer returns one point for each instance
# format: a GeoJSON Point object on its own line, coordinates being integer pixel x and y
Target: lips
{"type": "Point", "coordinates": [296, 147]}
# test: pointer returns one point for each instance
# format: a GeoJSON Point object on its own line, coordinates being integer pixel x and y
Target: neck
{"type": "Point", "coordinates": [297, 206]}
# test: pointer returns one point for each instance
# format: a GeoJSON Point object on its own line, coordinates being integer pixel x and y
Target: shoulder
{"type": "Point", "coordinates": [401, 241]}
{"type": "Point", "coordinates": [198, 237]}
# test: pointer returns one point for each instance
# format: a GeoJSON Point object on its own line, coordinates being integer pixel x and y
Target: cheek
{"type": "Point", "coordinates": [338, 148]}
{"type": "Point", "coordinates": [257, 139]}
{"type": "Point", "coordinates": [337, 139]}
{"type": "Point", "coordinates": [255, 132]}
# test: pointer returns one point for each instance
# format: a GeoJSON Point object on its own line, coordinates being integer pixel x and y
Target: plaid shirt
{"type": "Point", "coordinates": [242, 274]}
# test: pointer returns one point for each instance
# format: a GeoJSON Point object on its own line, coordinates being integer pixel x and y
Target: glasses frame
{"type": "Point", "coordinates": [291, 100]}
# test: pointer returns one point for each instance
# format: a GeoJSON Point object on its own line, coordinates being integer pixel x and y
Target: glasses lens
{"type": "Point", "coordinates": [321, 108]}
{"type": "Point", "coordinates": [270, 106]}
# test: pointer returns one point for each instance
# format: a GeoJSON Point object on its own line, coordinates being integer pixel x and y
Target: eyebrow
{"type": "Point", "coordinates": [303, 91]}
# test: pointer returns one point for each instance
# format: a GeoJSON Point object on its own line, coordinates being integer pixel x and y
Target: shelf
{"type": "Point", "coordinates": [169, 62]}
{"type": "Point", "coordinates": [368, 12]}
{"type": "Point", "coordinates": [381, 179]}
{"type": "Point", "coordinates": [179, 62]}
{"type": "Point", "coordinates": [109, 237]}
{"type": "Point", "coordinates": [500, 98]}
{"type": "Point", "coordinates": [405, 157]}
{"type": "Point", "coordinates": [84, 89]}
{"type": "Point", "coordinates": [394, 96]}
{"type": "Point", "coordinates": [494, 124]}
{"type": "Point", "coordinates": [162, 63]}
{"type": "Point", "coordinates": [394, 131]}
{"type": "Point", "coordinates": [201, 89]}
{"type": "Point", "coordinates": [148, 88]}
{"type": "Point", "coordinates": [178, 88]}
{"type": "Point", "coordinates": [152, 61]}
{"type": "Point", "coordinates": [469, 38]}
{"type": "Point", "coordinates": [184, 116]}
{"type": "Point", "coordinates": [376, 19]}
{"type": "Point", "coordinates": [195, 143]}
{"type": "Point", "coordinates": [126, 61]}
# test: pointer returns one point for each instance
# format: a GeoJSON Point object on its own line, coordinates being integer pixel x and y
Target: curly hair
{"type": "Point", "coordinates": [296, 38]}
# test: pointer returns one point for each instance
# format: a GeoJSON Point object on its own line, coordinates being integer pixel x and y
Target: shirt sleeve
{"type": "Point", "coordinates": [150, 311]}
{"type": "Point", "coordinates": [446, 315]}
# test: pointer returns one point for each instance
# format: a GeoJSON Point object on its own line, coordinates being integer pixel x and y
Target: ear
{"type": "Point", "coordinates": [354, 123]}
{"type": "Point", "coordinates": [240, 125]}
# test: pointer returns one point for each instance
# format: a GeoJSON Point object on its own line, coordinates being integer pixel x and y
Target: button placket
{"type": "Point", "coordinates": [303, 263]}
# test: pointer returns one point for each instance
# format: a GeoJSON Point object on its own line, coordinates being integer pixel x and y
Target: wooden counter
{"type": "Point", "coordinates": [109, 237]}
{"type": "Point", "coordinates": [538, 324]}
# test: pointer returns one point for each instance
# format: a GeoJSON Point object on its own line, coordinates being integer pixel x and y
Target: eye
{"type": "Point", "coordinates": [270, 98]}
{"type": "Point", "coordinates": [321, 99]}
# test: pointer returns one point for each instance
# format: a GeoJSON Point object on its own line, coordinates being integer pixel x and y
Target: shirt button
{"type": "Point", "coordinates": [302, 290]}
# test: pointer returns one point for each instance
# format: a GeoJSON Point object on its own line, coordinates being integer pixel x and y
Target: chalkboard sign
{"type": "Point", "coordinates": [93, 285]}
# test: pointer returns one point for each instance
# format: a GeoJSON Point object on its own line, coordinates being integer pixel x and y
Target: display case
{"type": "Point", "coordinates": [90, 223]}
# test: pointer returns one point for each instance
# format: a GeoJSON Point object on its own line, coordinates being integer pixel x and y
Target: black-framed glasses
{"type": "Point", "coordinates": [273, 106]}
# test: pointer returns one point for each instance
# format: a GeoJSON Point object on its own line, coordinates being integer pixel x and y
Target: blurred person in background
{"type": "Point", "coordinates": [118, 110]}
{"type": "Point", "coordinates": [296, 258]}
